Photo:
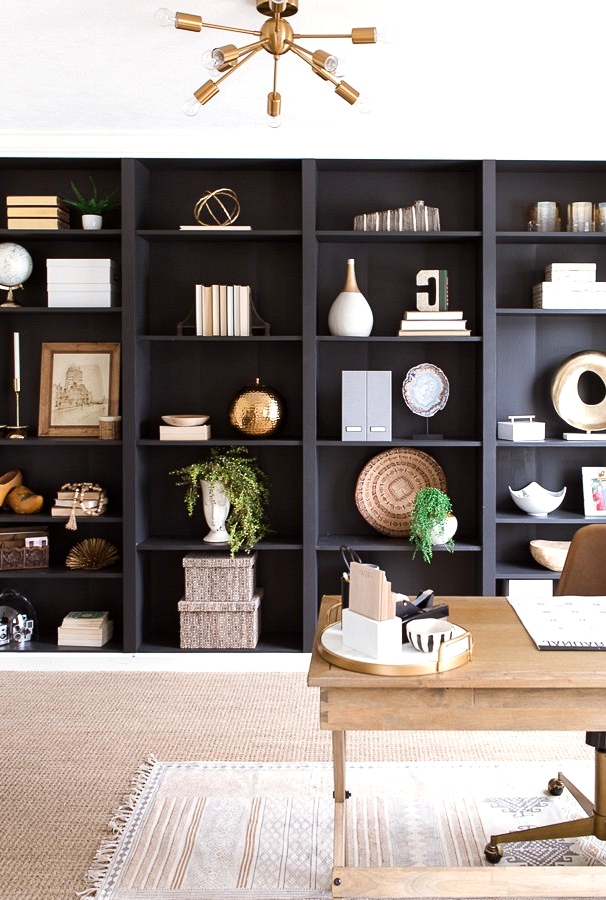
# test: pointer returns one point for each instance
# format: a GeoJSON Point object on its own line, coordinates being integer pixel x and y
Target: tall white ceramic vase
{"type": "Point", "coordinates": [350, 314]}
{"type": "Point", "coordinates": [216, 507]}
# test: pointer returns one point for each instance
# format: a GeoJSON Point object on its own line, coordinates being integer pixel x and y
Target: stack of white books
{"type": "Point", "coordinates": [570, 286]}
{"type": "Point", "coordinates": [86, 628]}
{"type": "Point", "coordinates": [434, 323]}
{"type": "Point", "coordinates": [223, 310]}
{"type": "Point", "coordinates": [82, 282]}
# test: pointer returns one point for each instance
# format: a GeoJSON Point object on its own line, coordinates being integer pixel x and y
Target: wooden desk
{"type": "Point", "coordinates": [509, 685]}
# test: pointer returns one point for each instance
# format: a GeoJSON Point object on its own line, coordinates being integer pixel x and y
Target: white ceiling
{"type": "Point", "coordinates": [473, 78]}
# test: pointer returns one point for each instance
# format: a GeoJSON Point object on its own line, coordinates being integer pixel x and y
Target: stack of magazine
{"type": "Point", "coordinates": [87, 628]}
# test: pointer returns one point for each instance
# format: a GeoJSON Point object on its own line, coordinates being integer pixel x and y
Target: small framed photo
{"type": "Point", "coordinates": [79, 382]}
{"type": "Point", "coordinates": [594, 490]}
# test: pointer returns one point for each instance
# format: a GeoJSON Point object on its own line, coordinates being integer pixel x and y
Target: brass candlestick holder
{"type": "Point", "coordinates": [17, 431]}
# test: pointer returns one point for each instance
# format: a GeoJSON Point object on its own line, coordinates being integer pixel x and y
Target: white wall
{"type": "Point", "coordinates": [518, 79]}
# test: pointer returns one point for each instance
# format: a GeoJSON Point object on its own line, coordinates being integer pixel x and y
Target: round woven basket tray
{"type": "Point", "coordinates": [388, 484]}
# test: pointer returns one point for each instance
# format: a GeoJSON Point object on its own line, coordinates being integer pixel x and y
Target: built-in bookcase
{"type": "Point", "coordinates": [294, 257]}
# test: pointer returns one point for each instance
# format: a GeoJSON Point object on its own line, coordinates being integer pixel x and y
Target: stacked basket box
{"type": "Point", "coordinates": [221, 609]}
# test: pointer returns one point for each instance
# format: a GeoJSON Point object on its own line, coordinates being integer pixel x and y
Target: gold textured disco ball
{"type": "Point", "coordinates": [257, 410]}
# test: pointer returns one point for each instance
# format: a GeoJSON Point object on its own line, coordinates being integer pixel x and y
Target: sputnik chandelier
{"type": "Point", "coordinates": [277, 37]}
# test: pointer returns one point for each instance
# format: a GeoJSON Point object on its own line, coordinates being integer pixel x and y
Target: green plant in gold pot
{"type": "Point", "coordinates": [235, 493]}
{"type": "Point", "coordinates": [432, 522]}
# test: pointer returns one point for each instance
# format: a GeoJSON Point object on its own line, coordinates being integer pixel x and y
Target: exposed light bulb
{"type": "Point", "coordinates": [274, 121]}
{"type": "Point", "coordinates": [363, 104]}
{"type": "Point", "coordinates": [384, 35]}
{"type": "Point", "coordinates": [209, 60]}
{"type": "Point", "coordinates": [191, 107]}
{"type": "Point", "coordinates": [165, 17]}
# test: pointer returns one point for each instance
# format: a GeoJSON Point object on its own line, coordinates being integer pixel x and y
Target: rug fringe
{"type": "Point", "coordinates": [116, 825]}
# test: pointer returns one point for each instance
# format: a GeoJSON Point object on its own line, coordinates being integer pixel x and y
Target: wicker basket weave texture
{"type": "Point", "coordinates": [209, 577]}
{"type": "Point", "coordinates": [220, 625]}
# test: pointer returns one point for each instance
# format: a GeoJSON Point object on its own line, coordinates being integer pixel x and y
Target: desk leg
{"type": "Point", "coordinates": [340, 832]}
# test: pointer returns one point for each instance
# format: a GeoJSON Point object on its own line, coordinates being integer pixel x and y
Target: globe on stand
{"type": "Point", "coordinates": [15, 267]}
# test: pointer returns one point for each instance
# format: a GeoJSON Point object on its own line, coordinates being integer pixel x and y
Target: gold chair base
{"type": "Point", "coordinates": [593, 824]}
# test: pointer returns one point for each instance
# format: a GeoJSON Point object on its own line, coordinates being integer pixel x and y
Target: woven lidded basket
{"type": "Point", "coordinates": [209, 577]}
{"type": "Point", "coordinates": [227, 625]}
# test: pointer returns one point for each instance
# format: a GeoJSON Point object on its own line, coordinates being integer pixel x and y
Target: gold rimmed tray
{"type": "Point", "coordinates": [451, 655]}
{"type": "Point", "coordinates": [388, 484]}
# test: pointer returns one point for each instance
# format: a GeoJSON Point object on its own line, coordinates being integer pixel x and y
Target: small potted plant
{"type": "Point", "coordinates": [235, 489]}
{"type": "Point", "coordinates": [93, 207]}
{"type": "Point", "coordinates": [432, 522]}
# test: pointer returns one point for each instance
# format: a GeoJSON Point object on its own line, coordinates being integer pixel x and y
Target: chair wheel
{"type": "Point", "coordinates": [556, 787]}
{"type": "Point", "coordinates": [493, 853]}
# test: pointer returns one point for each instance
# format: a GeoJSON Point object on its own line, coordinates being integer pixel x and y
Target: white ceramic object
{"type": "Point", "coordinates": [444, 531]}
{"type": "Point", "coordinates": [182, 421]}
{"type": "Point", "coordinates": [426, 635]}
{"type": "Point", "coordinates": [216, 507]}
{"type": "Point", "coordinates": [350, 314]}
{"type": "Point", "coordinates": [536, 500]}
{"type": "Point", "coordinates": [91, 223]}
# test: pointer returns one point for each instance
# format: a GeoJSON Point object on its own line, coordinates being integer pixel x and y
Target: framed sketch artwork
{"type": "Point", "coordinates": [79, 382]}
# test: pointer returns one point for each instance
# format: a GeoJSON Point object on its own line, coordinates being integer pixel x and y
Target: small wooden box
{"type": "Point", "coordinates": [220, 624]}
{"type": "Point", "coordinates": [212, 577]}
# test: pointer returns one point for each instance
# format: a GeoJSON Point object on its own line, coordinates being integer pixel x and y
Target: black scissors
{"type": "Point", "coordinates": [349, 556]}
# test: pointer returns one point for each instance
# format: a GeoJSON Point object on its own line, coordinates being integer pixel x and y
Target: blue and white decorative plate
{"type": "Point", "coordinates": [425, 389]}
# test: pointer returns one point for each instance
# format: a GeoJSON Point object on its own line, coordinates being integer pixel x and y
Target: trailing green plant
{"type": "Point", "coordinates": [245, 485]}
{"type": "Point", "coordinates": [431, 507]}
{"type": "Point", "coordinates": [93, 205]}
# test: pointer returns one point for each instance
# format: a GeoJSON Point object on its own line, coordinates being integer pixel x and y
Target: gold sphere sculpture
{"type": "Point", "coordinates": [256, 411]}
{"type": "Point", "coordinates": [219, 207]}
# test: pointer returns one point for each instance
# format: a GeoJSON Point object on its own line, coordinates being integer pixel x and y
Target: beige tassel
{"type": "Point", "coordinates": [71, 523]}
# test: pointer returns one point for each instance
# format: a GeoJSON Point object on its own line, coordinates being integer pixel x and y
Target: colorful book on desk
{"type": "Point", "coordinates": [563, 623]}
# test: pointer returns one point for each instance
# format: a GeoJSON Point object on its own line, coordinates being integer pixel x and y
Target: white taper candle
{"type": "Point", "coordinates": [17, 356]}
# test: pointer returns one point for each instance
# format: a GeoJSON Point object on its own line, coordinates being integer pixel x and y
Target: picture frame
{"type": "Point", "coordinates": [79, 382]}
{"type": "Point", "coordinates": [594, 490]}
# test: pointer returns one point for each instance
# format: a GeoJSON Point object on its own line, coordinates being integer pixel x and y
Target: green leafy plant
{"type": "Point", "coordinates": [93, 205]}
{"type": "Point", "coordinates": [431, 507]}
{"type": "Point", "coordinates": [245, 485]}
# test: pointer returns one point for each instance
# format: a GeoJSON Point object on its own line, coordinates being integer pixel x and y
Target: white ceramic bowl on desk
{"type": "Point", "coordinates": [536, 500]}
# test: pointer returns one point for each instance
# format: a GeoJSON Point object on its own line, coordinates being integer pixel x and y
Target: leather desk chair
{"type": "Point", "coordinates": [584, 574]}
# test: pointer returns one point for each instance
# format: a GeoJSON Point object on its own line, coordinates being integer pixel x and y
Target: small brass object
{"type": "Point", "coordinates": [256, 410]}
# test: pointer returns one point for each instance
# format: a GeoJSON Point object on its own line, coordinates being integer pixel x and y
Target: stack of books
{"type": "Point", "coordinates": [82, 282]}
{"type": "Point", "coordinates": [91, 502]}
{"type": "Point", "coordinates": [570, 286]}
{"type": "Point", "coordinates": [223, 310]}
{"type": "Point", "coordinates": [434, 323]}
{"type": "Point", "coordinates": [47, 212]}
{"type": "Point", "coordinates": [86, 628]}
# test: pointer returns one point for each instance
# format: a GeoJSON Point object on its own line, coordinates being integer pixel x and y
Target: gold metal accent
{"type": "Point", "coordinates": [565, 391]}
{"type": "Point", "coordinates": [206, 92]}
{"type": "Point", "coordinates": [375, 668]}
{"type": "Point", "coordinates": [274, 104]}
{"type": "Point", "coordinates": [267, 8]}
{"type": "Point", "coordinates": [256, 411]}
{"type": "Point", "coordinates": [364, 35]}
{"type": "Point", "coordinates": [213, 204]}
{"type": "Point", "coordinates": [320, 57]}
{"type": "Point", "coordinates": [277, 35]}
{"type": "Point", "coordinates": [188, 22]}
{"type": "Point", "coordinates": [10, 299]}
{"type": "Point", "coordinates": [346, 91]}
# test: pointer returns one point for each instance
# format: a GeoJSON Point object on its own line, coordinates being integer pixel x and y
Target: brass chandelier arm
{"type": "Point", "coordinates": [356, 35]}
{"type": "Point", "coordinates": [306, 56]}
{"type": "Point", "coordinates": [241, 62]}
{"type": "Point", "coordinates": [231, 54]}
{"type": "Point", "coordinates": [191, 22]}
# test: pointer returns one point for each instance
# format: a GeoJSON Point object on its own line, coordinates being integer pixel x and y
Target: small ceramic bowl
{"type": "Point", "coordinates": [182, 421]}
{"type": "Point", "coordinates": [426, 635]}
{"type": "Point", "coordinates": [536, 500]}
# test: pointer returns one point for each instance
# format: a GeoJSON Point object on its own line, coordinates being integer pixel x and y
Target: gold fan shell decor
{"type": "Point", "coordinates": [92, 553]}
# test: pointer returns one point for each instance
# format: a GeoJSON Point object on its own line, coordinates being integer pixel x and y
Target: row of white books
{"type": "Point", "coordinates": [85, 628]}
{"type": "Point", "coordinates": [223, 310]}
{"type": "Point", "coordinates": [439, 322]}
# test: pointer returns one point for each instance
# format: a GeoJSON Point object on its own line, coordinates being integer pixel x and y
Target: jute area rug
{"type": "Point", "coordinates": [263, 831]}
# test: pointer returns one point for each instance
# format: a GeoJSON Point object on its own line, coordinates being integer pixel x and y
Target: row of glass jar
{"type": "Point", "coordinates": [581, 216]}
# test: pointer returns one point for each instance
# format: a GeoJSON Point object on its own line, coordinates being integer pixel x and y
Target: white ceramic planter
{"type": "Point", "coordinates": [92, 223]}
{"type": "Point", "coordinates": [216, 510]}
{"type": "Point", "coordinates": [442, 533]}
